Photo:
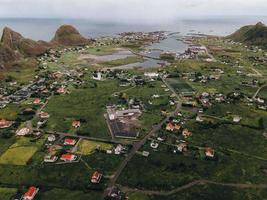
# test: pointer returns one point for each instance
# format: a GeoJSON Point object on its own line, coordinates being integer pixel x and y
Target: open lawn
{"type": "Point", "coordinates": [87, 105]}
{"type": "Point", "coordinates": [69, 195]}
{"type": "Point", "coordinates": [7, 193]}
{"type": "Point", "coordinates": [87, 147]}
{"type": "Point", "coordinates": [208, 192]}
{"type": "Point", "coordinates": [164, 170]}
{"type": "Point", "coordinates": [126, 61]}
{"type": "Point", "coordinates": [20, 152]}
{"type": "Point", "coordinates": [179, 85]}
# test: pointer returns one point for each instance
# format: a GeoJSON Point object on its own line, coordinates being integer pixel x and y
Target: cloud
{"type": "Point", "coordinates": [129, 10]}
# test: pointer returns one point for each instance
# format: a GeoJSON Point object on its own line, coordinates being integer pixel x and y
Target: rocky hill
{"type": "Point", "coordinates": [67, 35]}
{"type": "Point", "coordinates": [252, 35]}
{"type": "Point", "coordinates": [24, 46]}
{"type": "Point", "coordinates": [13, 46]}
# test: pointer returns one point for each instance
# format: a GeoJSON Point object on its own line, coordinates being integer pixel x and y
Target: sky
{"type": "Point", "coordinates": [130, 10]}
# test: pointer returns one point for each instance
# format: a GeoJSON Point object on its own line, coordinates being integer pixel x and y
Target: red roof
{"type": "Point", "coordinates": [67, 156]}
{"type": "Point", "coordinates": [69, 141]}
{"type": "Point", "coordinates": [96, 177]}
{"type": "Point", "coordinates": [31, 192]}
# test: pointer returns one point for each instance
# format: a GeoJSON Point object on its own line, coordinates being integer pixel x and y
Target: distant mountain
{"type": "Point", "coordinates": [13, 46]}
{"type": "Point", "coordinates": [67, 35]}
{"type": "Point", "coordinates": [252, 35]}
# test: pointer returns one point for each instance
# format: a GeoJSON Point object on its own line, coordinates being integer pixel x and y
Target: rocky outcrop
{"type": "Point", "coordinates": [14, 46]}
{"type": "Point", "coordinates": [67, 35]}
{"type": "Point", "coordinates": [26, 47]}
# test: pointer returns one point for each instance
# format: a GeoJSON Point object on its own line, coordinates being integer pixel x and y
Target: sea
{"type": "Point", "coordinates": [44, 29]}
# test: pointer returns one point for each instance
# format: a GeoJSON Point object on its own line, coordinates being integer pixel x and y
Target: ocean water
{"type": "Point", "coordinates": [44, 29]}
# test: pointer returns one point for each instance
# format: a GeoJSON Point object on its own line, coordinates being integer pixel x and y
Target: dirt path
{"type": "Point", "coordinates": [189, 185]}
{"type": "Point", "coordinates": [258, 91]}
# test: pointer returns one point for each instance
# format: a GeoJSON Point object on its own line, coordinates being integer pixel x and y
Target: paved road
{"type": "Point", "coordinates": [86, 137]}
{"type": "Point", "coordinates": [137, 145]}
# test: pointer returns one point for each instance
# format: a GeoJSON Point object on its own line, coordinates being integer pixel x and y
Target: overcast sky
{"type": "Point", "coordinates": [130, 10]}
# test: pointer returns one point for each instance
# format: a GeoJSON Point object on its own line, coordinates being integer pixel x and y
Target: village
{"type": "Point", "coordinates": [96, 126]}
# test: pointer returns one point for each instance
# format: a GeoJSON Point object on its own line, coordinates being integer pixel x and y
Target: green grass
{"type": "Point", "coordinates": [87, 147]}
{"type": "Point", "coordinates": [163, 170]}
{"type": "Point", "coordinates": [101, 51]}
{"type": "Point", "coordinates": [20, 152]}
{"type": "Point", "coordinates": [209, 192]}
{"type": "Point", "coordinates": [119, 62]}
{"type": "Point", "coordinates": [69, 195]}
{"type": "Point", "coordinates": [88, 105]}
{"type": "Point", "coordinates": [179, 85]}
{"type": "Point", "coordinates": [11, 111]}
{"type": "Point", "coordinates": [7, 193]}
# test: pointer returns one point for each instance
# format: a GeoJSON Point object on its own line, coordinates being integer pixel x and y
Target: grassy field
{"type": "Point", "coordinates": [126, 61]}
{"type": "Point", "coordinates": [164, 170]}
{"type": "Point", "coordinates": [24, 73]}
{"type": "Point", "coordinates": [101, 51]}
{"type": "Point", "coordinates": [179, 85]}
{"type": "Point", "coordinates": [88, 105]}
{"type": "Point", "coordinates": [20, 152]}
{"type": "Point", "coordinates": [87, 147]}
{"type": "Point", "coordinates": [69, 195]}
{"type": "Point", "coordinates": [11, 111]}
{"type": "Point", "coordinates": [7, 193]}
{"type": "Point", "coordinates": [208, 192]}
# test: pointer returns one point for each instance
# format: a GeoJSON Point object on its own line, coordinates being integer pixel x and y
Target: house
{"type": "Point", "coordinates": [177, 127]}
{"type": "Point", "coordinates": [199, 119]}
{"type": "Point", "coordinates": [96, 177]}
{"type": "Point", "coordinates": [37, 101]}
{"type": "Point", "coordinates": [209, 152]}
{"type": "Point", "coordinates": [119, 149]}
{"type": "Point", "coordinates": [76, 124]}
{"type": "Point", "coordinates": [151, 74]}
{"type": "Point", "coordinates": [61, 90]}
{"type": "Point", "coordinates": [182, 147]}
{"type": "Point", "coordinates": [186, 133]}
{"type": "Point", "coordinates": [68, 157]}
{"type": "Point", "coordinates": [51, 138]}
{"type": "Point", "coordinates": [145, 153]}
{"type": "Point", "coordinates": [44, 115]}
{"type": "Point", "coordinates": [154, 145]}
{"type": "Point", "coordinates": [5, 123]}
{"type": "Point", "coordinates": [31, 193]}
{"type": "Point", "coordinates": [23, 131]}
{"type": "Point", "coordinates": [97, 76]}
{"type": "Point", "coordinates": [170, 127]}
{"type": "Point", "coordinates": [50, 159]}
{"type": "Point", "coordinates": [69, 141]}
{"type": "Point", "coordinates": [236, 119]}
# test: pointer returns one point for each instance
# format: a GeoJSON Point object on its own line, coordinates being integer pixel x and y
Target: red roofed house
{"type": "Point", "coordinates": [177, 127]}
{"type": "Point", "coordinates": [5, 123]}
{"type": "Point", "coordinates": [186, 133]}
{"type": "Point", "coordinates": [210, 152]}
{"type": "Point", "coordinates": [69, 141]}
{"type": "Point", "coordinates": [44, 115]}
{"type": "Point", "coordinates": [170, 127]}
{"type": "Point", "coordinates": [96, 178]}
{"type": "Point", "coordinates": [30, 194]}
{"type": "Point", "coordinates": [61, 90]}
{"type": "Point", "coordinates": [68, 157]}
{"type": "Point", "coordinates": [37, 101]}
{"type": "Point", "coordinates": [76, 123]}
